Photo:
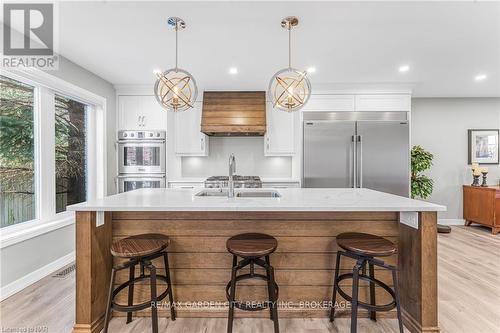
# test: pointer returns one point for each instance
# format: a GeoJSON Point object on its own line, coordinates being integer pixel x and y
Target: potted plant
{"type": "Point", "coordinates": [421, 185]}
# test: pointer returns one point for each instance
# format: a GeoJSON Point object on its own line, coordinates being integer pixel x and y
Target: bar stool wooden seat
{"type": "Point", "coordinates": [252, 247]}
{"type": "Point", "coordinates": [363, 248]}
{"type": "Point", "coordinates": [140, 250]}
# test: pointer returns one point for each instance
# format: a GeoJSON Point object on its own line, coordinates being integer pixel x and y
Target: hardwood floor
{"type": "Point", "coordinates": [469, 299]}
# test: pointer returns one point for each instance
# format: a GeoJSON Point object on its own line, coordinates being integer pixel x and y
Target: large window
{"type": "Point", "coordinates": [17, 153]}
{"type": "Point", "coordinates": [71, 152]}
{"type": "Point", "coordinates": [52, 152]}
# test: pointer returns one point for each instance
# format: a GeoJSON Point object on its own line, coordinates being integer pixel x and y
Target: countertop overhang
{"type": "Point", "coordinates": [292, 199]}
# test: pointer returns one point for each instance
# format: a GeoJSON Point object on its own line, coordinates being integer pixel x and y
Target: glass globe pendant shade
{"type": "Point", "coordinates": [175, 89]}
{"type": "Point", "coordinates": [289, 89]}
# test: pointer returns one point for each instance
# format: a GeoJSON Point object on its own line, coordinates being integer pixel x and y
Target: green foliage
{"type": "Point", "coordinates": [17, 135]}
{"type": "Point", "coordinates": [421, 185]}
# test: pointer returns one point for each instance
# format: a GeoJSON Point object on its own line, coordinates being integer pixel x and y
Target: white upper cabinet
{"type": "Point", "coordinates": [129, 112]}
{"type": "Point", "coordinates": [358, 102]}
{"type": "Point", "coordinates": [140, 113]}
{"type": "Point", "coordinates": [153, 114]}
{"type": "Point", "coordinates": [279, 139]}
{"type": "Point", "coordinates": [189, 140]}
{"type": "Point", "coordinates": [383, 102]}
{"type": "Point", "coordinates": [330, 103]}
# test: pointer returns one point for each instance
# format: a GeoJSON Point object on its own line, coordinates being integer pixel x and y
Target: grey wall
{"type": "Point", "coordinates": [27, 256]}
{"type": "Point", "coordinates": [440, 126]}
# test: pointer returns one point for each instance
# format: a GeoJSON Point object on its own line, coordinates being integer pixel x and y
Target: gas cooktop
{"type": "Point", "coordinates": [239, 181]}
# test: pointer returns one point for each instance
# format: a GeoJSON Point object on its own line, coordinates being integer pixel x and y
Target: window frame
{"type": "Point", "coordinates": [45, 88]}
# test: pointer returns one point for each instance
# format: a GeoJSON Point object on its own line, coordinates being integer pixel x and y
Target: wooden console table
{"type": "Point", "coordinates": [482, 205]}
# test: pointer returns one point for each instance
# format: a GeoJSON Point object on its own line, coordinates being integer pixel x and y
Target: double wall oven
{"type": "Point", "coordinates": [142, 159]}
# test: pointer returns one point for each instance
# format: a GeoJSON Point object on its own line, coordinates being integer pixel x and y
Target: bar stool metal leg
{"type": "Point", "coordinates": [110, 299]}
{"type": "Point", "coordinates": [373, 314]}
{"type": "Point", "coordinates": [154, 306]}
{"type": "Point", "coordinates": [269, 287]}
{"type": "Point", "coordinates": [274, 304]}
{"type": "Point", "coordinates": [355, 287]}
{"type": "Point", "coordinates": [232, 296]}
{"type": "Point", "coordinates": [398, 306]}
{"type": "Point", "coordinates": [131, 277]}
{"type": "Point", "coordinates": [170, 296]}
{"type": "Point", "coordinates": [334, 296]}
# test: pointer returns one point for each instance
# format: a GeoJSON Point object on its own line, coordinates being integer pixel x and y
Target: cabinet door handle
{"type": "Point", "coordinates": [139, 121]}
{"type": "Point", "coordinates": [201, 144]}
{"type": "Point", "coordinates": [143, 121]}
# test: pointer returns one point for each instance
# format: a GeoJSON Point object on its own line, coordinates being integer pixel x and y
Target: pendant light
{"type": "Point", "coordinates": [175, 89]}
{"type": "Point", "coordinates": [289, 88]}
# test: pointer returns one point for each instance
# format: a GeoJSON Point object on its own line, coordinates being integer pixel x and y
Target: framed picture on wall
{"type": "Point", "coordinates": [483, 146]}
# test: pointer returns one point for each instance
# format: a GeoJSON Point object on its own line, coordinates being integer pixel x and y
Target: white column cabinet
{"type": "Point", "coordinates": [279, 139]}
{"type": "Point", "coordinates": [153, 115]}
{"type": "Point", "coordinates": [129, 112]}
{"type": "Point", "coordinates": [140, 113]}
{"type": "Point", "coordinates": [189, 140]}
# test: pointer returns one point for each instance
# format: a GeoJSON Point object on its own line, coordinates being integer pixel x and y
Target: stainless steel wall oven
{"type": "Point", "coordinates": [141, 160]}
{"type": "Point", "coordinates": [141, 152]}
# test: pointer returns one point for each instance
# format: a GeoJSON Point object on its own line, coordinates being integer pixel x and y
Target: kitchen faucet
{"type": "Point", "coordinates": [232, 170]}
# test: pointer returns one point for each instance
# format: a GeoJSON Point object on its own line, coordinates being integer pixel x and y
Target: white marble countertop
{"type": "Point", "coordinates": [292, 199]}
{"type": "Point", "coordinates": [263, 179]}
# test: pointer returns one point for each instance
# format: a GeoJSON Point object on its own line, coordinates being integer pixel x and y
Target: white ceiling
{"type": "Point", "coordinates": [446, 44]}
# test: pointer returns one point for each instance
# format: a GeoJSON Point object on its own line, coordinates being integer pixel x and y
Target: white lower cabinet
{"type": "Point", "coordinates": [280, 184]}
{"type": "Point", "coordinates": [189, 140]}
{"type": "Point", "coordinates": [186, 184]}
{"type": "Point", "coordinates": [279, 139]}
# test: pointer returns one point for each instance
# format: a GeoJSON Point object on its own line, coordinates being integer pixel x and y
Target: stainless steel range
{"type": "Point", "coordinates": [239, 182]}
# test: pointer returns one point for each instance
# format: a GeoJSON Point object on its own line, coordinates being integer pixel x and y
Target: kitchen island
{"type": "Point", "coordinates": [305, 223]}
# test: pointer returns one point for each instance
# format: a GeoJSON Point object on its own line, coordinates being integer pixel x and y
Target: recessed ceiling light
{"type": "Point", "coordinates": [233, 70]}
{"type": "Point", "coordinates": [480, 77]}
{"type": "Point", "coordinates": [404, 68]}
{"type": "Point", "coordinates": [311, 70]}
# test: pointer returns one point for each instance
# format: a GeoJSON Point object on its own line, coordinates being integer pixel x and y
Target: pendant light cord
{"type": "Point", "coordinates": [289, 45]}
{"type": "Point", "coordinates": [176, 43]}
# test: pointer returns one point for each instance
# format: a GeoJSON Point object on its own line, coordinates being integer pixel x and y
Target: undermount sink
{"type": "Point", "coordinates": [258, 194]}
{"type": "Point", "coordinates": [243, 194]}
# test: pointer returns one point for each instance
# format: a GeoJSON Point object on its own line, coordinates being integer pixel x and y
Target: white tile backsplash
{"type": "Point", "coordinates": [250, 159]}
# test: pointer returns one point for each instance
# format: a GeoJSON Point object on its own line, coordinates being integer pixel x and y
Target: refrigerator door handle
{"type": "Point", "coordinates": [360, 161]}
{"type": "Point", "coordinates": [354, 169]}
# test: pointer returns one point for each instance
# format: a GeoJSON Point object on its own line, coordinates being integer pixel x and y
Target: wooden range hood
{"type": "Point", "coordinates": [234, 113]}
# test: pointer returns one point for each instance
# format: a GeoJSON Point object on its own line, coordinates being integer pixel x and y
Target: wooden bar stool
{"type": "Point", "coordinates": [140, 250]}
{"type": "Point", "coordinates": [252, 247]}
{"type": "Point", "coordinates": [363, 248]}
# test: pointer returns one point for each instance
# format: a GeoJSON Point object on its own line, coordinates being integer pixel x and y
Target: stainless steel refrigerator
{"type": "Point", "coordinates": [357, 150]}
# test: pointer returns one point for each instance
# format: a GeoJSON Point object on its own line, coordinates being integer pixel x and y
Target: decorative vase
{"type": "Point", "coordinates": [475, 182]}
{"type": "Point", "coordinates": [484, 184]}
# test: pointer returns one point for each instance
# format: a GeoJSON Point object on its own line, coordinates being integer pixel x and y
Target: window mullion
{"type": "Point", "coordinates": [46, 154]}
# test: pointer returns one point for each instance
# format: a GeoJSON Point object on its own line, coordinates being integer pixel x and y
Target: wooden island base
{"type": "Point", "coordinates": [304, 262]}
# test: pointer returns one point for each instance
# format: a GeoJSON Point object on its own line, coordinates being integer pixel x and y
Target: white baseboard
{"type": "Point", "coordinates": [29, 279]}
{"type": "Point", "coordinates": [451, 221]}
